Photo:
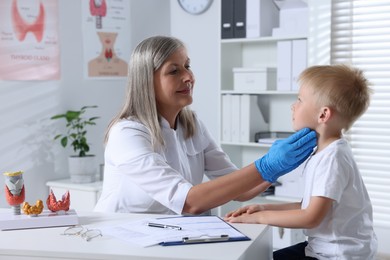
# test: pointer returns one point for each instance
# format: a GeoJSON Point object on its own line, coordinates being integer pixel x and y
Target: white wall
{"type": "Point", "coordinates": [201, 35]}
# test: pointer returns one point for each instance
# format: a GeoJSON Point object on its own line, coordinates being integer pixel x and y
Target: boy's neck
{"type": "Point", "coordinates": [324, 138]}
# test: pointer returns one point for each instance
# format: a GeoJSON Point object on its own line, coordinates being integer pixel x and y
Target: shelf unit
{"type": "Point", "coordinates": [275, 105]}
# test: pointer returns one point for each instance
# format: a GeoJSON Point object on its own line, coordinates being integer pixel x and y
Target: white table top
{"type": "Point", "coordinates": [47, 243]}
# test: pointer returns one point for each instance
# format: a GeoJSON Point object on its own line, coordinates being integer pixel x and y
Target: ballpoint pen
{"type": "Point", "coordinates": [159, 225]}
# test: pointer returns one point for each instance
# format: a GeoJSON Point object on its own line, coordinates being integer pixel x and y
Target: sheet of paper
{"type": "Point", "coordinates": [139, 233]}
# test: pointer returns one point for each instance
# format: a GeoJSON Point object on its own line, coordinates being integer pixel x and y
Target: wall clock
{"type": "Point", "coordinates": [195, 6]}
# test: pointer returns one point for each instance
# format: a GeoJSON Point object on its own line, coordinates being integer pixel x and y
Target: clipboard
{"type": "Point", "coordinates": [215, 230]}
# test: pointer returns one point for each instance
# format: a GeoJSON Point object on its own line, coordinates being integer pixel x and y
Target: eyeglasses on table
{"type": "Point", "coordinates": [83, 232]}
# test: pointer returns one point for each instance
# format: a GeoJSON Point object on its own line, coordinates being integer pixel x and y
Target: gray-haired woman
{"type": "Point", "coordinates": [158, 151]}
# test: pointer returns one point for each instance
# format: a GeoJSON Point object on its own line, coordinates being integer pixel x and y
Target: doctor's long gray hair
{"type": "Point", "coordinates": [140, 102]}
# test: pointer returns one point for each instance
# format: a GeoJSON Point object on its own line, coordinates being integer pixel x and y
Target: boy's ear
{"type": "Point", "coordinates": [325, 114]}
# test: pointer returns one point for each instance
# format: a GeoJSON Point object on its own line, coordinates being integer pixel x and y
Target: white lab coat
{"type": "Point", "coordinates": [137, 179]}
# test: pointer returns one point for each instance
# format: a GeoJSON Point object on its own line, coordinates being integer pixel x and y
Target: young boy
{"type": "Point", "coordinates": [335, 212]}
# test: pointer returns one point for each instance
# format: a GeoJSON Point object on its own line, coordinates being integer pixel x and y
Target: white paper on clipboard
{"type": "Point", "coordinates": [193, 227]}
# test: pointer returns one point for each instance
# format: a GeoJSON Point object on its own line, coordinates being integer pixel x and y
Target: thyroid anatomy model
{"type": "Point", "coordinates": [15, 196]}
{"type": "Point", "coordinates": [59, 206]}
{"type": "Point", "coordinates": [14, 190]}
{"type": "Point", "coordinates": [33, 210]}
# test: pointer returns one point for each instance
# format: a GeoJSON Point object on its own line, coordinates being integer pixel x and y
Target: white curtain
{"type": "Point", "coordinates": [361, 37]}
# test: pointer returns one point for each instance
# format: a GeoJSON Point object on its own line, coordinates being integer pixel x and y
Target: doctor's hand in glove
{"type": "Point", "coordinates": [287, 154]}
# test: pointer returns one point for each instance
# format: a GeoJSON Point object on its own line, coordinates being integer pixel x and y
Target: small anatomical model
{"type": "Point", "coordinates": [33, 210]}
{"type": "Point", "coordinates": [14, 190]}
{"type": "Point", "coordinates": [60, 205]}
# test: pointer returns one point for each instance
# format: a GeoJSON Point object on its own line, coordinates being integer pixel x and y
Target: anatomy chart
{"type": "Point", "coordinates": [106, 32]}
{"type": "Point", "coordinates": [29, 45]}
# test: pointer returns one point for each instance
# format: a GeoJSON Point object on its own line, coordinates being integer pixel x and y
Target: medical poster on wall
{"type": "Point", "coordinates": [106, 38]}
{"type": "Point", "coordinates": [29, 44]}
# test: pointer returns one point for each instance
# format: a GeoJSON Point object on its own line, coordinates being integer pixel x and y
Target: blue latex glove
{"type": "Point", "coordinates": [286, 155]}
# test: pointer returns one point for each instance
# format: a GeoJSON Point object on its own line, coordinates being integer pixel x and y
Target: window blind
{"type": "Point", "coordinates": [360, 35]}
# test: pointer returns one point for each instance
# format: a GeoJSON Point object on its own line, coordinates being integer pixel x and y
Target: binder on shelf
{"type": "Point", "coordinates": [227, 13]}
{"type": "Point", "coordinates": [284, 62]}
{"type": "Point", "coordinates": [261, 17]}
{"type": "Point", "coordinates": [299, 61]}
{"type": "Point", "coordinates": [226, 118]}
{"type": "Point", "coordinates": [235, 115]}
{"type": "Point", "coordinates": [251, 118]}
{"type": "Point", "coordinates": [239, 28]}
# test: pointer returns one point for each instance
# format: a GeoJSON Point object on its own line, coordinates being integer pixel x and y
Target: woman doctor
{"type": "Point", "coordinates": [158, 151]}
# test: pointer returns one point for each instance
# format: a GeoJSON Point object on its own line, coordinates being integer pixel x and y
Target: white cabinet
{"type": "Point", "coordinates": [83, 196]}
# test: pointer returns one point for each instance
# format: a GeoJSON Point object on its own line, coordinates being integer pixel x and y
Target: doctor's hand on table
{"type": "Point", "coordinates": [287, 154]}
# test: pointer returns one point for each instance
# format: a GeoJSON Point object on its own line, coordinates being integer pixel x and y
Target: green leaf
{"type": "Point", "coordinates": [85, 107]}
{"type": "Point", "coordinates": [58, 116]}
{"type": "Point", "coordinates": [72, 115]}
{"type": "Point", "coordinates": [64, 141]}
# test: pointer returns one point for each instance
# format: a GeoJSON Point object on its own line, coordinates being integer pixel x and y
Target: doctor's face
{"type": "Point", "coordinates": [173, 84]}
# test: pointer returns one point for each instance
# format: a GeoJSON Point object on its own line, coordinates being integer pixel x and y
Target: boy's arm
{"type": "Point", "coordinates": [294, 218]}
{"type": "Point", "coordinates": [249, 209]}
{"type": "Point", "coordinates": [283, 206]}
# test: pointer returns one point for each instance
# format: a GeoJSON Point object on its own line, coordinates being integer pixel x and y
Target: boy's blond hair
{"type": "Point", "coordinates": [340, 87]}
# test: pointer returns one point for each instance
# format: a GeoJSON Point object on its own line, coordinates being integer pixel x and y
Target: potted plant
{"type": "Point", "coordinates": [82, 166]}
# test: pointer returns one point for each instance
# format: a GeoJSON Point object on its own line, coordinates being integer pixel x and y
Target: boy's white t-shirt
{"type": "Point", "coordinates": [346, 232]}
